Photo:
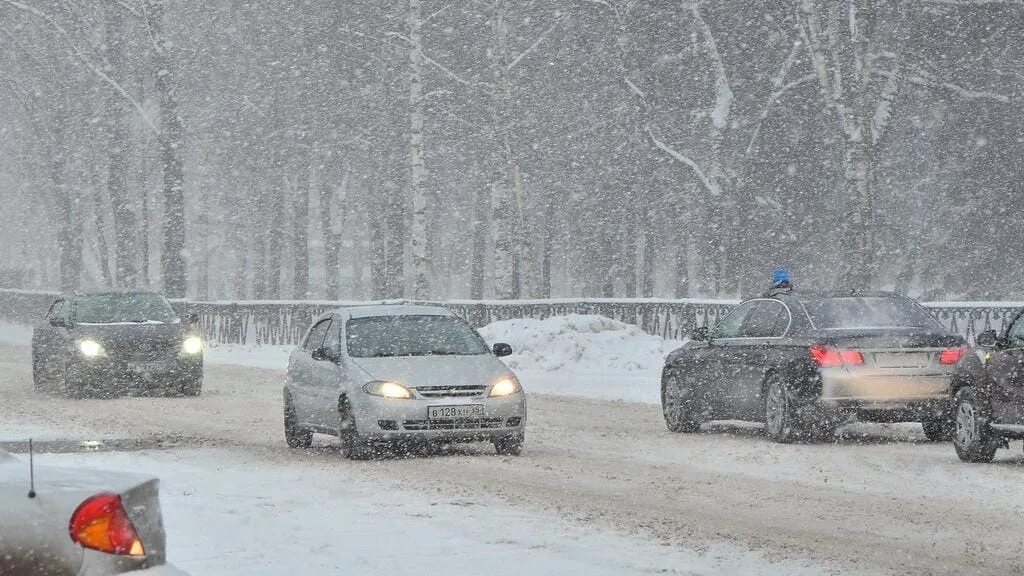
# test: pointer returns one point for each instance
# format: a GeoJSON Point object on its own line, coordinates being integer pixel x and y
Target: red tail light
{"type": "Point", "coordinates": [101, 523]}
{"type": "Point", "coordinates": [829, 357]}
{"type": "Point", "coordinates": [953, 355]}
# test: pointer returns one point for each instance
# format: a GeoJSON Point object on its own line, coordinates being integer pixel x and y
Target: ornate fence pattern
{"type": "Point", "coordinates": [283, 323]}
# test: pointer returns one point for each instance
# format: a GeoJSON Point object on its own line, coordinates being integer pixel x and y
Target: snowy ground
{"type": "Point", "coordinates": [602, 487]}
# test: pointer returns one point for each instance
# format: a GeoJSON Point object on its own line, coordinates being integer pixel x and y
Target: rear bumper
{"type": "Point", "coordinates": [407, 420]}
{"type": "Point", "coordinates": [903, 396]}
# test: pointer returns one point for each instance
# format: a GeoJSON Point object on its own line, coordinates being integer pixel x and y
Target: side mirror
{"type": "Point", "coordinates": [987, 339]}
{"type": "Point", "coordinates": [58, 322]}
{"type": "Point", "coordinates": [191, 318]}
{"type": "Point", "coordinates": [501, 349]}
{"type": "Point", "coordinates": [325, 354]}
{"type": "Point", "coordinates": [701, 334]}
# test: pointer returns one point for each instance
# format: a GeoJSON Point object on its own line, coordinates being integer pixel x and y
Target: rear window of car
{"type": "Point", "coordinates": [380, 336]}
{"type": "Point", "coordinates": [866, 313]}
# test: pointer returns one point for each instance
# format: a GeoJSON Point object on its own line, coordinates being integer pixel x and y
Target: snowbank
{"type": "Point", "coordinates": [584, 355]}
{"type": "Point", "coordinates": [577, 341]}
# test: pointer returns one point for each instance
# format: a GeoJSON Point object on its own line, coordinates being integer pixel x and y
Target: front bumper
{"type": "Point", "coordinates": [390, 419]}
{"type": "Point", "coordinates": [105, 373]}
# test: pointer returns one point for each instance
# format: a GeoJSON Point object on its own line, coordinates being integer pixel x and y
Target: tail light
{"type": "Point", "coordinates": [953, 355]}
{"type": "Point", "coordinates": [101, 523]}
{"type": "Point", "coordinates": [829, 357]}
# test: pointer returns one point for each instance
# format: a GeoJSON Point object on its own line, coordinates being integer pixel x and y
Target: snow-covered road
{"type": "Point", "coordinates": [602, 488]}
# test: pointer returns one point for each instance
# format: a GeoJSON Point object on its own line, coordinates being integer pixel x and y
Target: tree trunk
{"type": "Point", "coordinates": [478, 259]}
{"type": "Point", "coordinates": [125, 228]}
{"type": "Point", "coordinates": [69, 237]}
{"type": "Point", "coordinates": [419, 232]}
{"type": "Point", "coordinates": [172, 256]}
{"type": "Point", "coordinates": [275, 244]}
{"type": "Point", "coordinates": [331, 252]}
{"type": "Point", "coordinates": [300, 235]}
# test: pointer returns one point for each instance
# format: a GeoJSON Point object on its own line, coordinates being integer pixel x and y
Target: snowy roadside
{"type": "Point", "coordinates": [576, 355]}
{"type": "Point", "coordinates": [227, 513]}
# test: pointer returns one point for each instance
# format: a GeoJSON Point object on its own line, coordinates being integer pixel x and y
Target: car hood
{"type": "Point", "coordinates": [417, 371]}
{"type": "Point", "coordinates": [133, 336]}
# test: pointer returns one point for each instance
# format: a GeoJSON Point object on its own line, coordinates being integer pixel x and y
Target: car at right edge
{"type": "Point", "coordinates": [988, 394]}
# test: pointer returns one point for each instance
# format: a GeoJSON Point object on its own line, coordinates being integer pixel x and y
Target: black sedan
{"type": "Point", "coordinates": [989, 394]}
{"type": "Point", "coordinates": [806, 363]}
{"type": "Point", "coordinates": [112, 342]}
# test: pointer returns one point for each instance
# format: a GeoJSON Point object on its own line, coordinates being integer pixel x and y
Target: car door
{"type": "Point", "coordinates": [1006, 368]}
{"type": "Point", "coordinates": [715, 372]}
{"type": "Point", "coordinates": [328, 377]}
{"type": "Point", "coordinates": [301, 372]}
{"type": "Point", "coordinates": [761, 329]}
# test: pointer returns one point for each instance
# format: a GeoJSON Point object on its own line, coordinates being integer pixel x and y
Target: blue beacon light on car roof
{"type": "Point", "coordinates": [780, 276]}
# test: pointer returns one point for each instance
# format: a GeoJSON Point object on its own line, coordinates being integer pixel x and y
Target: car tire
{"type": "Point", "coordinates": [511, 445]}
{"type": "Point", "coordinates": [295, 435]}
{"type": "Point", "coordinates": [71, 387]}
{"type": "Point", "coordinates": [193, 386]}
{"type": "Point", "coordinates": [972, 439]}
{"type": "Point", "coordinates": [353, 446]}
{"type": "Point", "coordinates": [39, 383]}
{"type": "Point", "coordinates": [679, 406]}
{"type": "Point", "coordinates": [780, 419]}
{"type": "Point", "coordinates": [938, 429]}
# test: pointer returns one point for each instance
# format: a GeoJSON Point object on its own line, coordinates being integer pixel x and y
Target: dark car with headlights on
{"type": "Point", "coordinates": [113, 342]}
{"type": "Point", "coordinates": [989, 394]}
{"type": "Point", "coordinates": [805, 363]}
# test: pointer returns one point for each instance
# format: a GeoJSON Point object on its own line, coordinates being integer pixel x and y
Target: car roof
{"type": "Point", "coordinates": [825, 295]}
{"type": "Point", "coordinates": [394, 310]}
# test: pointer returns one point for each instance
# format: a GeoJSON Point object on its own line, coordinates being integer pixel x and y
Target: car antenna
{"type": "Point", "coordinates": [31, 471]}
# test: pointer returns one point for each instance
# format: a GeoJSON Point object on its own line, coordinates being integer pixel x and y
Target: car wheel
{"type": "Point", "coordinates": [38, 380]}
{"type": "Point", "coordinates": [939, 430]}
{"type": "Point", "coordinates": [509, 445]}
{"type": "Point", "coordinates": [780, 422]}
{"type": "Point", "coordinates": [296, 436]}
{"type": "Point", "coordinates": [353, 446]}
{"type": "Point", "coordinates": [972, 438]}
{"type": "Point", "coordinates": [70, 385]}
{"type": "Point", "coordinates": [192, 386]}
{"type": "Point", "coordinates": [679, 406]}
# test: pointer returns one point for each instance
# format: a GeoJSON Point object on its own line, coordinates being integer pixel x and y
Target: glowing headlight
{"type": "Point", "coordinates": [388, 389]}
{"type": "Point", "coordinates": [90, 348]}
{"type": "Point", "coordinates": [192, 345]}
{"type": "Point", "coordinates": [504, 387]}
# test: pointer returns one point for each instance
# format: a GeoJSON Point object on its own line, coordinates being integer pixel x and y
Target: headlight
{"type": "Point", "coordinates": [90, 348]}
{"type": "Point", "coordinates": [388, 389]}
{"type": "Point", "coordinates": [505, 387]}
{"type": "Point", "coordinates": [192, 345]}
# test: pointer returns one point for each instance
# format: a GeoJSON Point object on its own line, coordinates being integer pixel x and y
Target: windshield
{"type": "Point", "coordinates": [118, 308]}
{"type": "Point", "coordinates": [378, 336]}
{"type": "Point", "coordinates": [860, 313]}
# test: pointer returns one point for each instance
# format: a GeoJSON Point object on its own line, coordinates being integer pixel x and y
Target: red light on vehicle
{"type": "Point", "coordinates": [101, 523]}
{"type": "Point", "coordinates": [828, 357]}
{"type": "Point", "coordinates": [952, 355]}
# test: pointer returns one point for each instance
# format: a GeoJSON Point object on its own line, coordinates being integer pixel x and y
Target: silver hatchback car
{"type": "Point", "coordinates": [398, 373]}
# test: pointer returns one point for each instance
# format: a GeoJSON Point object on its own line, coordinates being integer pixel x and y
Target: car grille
{"type": "Point", "coordinates": [469, 424]}
{"type": "Point", "coordinates": [145, 351]}
{"type": "Point", "coordinates": [451, 391]}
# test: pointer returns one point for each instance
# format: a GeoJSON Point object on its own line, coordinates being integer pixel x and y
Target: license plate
{"type": "Point", "coordinates": [465, 411]}
{"type": "Point", "coordinates": [147, 367]}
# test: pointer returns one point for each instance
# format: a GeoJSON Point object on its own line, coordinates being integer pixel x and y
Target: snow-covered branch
{"type": "Point", "coordinates": [85, 61]}
{"type": "Point", "coordinates": [712, 187]}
